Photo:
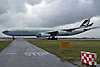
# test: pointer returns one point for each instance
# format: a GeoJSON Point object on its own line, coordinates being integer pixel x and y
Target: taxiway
{"type": "Point", "coordinates": [21, 53]}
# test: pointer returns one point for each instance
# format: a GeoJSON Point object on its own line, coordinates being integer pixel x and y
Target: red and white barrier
{"type": "Point", "coordinates": [89, 58]}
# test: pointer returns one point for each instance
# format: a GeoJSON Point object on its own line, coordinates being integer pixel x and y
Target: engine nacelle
{"type": "Point", "coordinates": [62, 32]}
{"type": "Point", "coordinates": [43, 35]}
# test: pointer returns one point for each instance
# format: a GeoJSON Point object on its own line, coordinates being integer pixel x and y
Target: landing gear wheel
{"type": "Point", "coordinates": [53, 38]}
{"type": "Point", "coordinates": [49, 38]}
{"type": "Point", "coordinates": [56, 38]}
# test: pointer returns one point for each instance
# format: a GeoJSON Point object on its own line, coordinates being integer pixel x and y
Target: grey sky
{"type": "Point", "coordinates": [46, 13]}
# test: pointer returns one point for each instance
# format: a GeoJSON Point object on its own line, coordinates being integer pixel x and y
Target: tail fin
{"type": "Point", "coordinates": [86, 23]}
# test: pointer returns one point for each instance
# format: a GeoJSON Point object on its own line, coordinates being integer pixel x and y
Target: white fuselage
{"type": "Point", "coordinates": [34, 32]}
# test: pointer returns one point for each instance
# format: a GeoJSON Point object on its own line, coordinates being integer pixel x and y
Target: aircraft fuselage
{"type": "Point", "coordinates": [35, 32]}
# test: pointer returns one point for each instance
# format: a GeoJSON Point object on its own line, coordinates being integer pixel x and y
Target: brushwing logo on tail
{"type": "Point", "coordinates": [85, 23]}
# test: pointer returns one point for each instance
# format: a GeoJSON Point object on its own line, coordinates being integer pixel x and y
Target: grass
{"type": "Point", "coordinates": [53, 46]}
{"type": "Point", "coordinates": [4, 44]}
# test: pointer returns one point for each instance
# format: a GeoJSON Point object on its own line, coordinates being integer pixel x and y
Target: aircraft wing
{"type": "Point", "coordinates": [50, 32]}
{"type": "Point", "coordinates": [70, 29]}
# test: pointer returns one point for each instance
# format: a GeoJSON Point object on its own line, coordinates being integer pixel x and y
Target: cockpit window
{"type": "Point", "coordinates": [6, 31]}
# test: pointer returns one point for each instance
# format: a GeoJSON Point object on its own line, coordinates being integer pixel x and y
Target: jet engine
{"type": "Point", "coordinates": [43, 35]}
{"type": "Point", "coordinates": [62, 32]}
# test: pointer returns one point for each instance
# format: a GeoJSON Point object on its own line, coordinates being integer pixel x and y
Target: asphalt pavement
{"type": "Point", "coordinates": [21, 53]}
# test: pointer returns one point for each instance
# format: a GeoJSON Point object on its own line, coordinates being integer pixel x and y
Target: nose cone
{"type": "Point", "coordinates": [5, 32]}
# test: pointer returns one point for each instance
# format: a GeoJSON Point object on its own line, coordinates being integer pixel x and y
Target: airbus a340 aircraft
{"type": "Point", "coordinates": [51, 33]}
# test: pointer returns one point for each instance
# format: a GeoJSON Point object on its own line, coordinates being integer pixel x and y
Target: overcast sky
{"type": "Point", "coordinates": [49, 14]}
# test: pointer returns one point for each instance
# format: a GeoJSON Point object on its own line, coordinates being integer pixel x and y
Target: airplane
{"type": "Point", "coordinates": [51, 33]}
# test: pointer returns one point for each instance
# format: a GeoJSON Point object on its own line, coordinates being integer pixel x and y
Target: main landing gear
{"type": "Point", "coordinates": [13, 38]}
{"type": "Point", "coordinates": [52, 38]}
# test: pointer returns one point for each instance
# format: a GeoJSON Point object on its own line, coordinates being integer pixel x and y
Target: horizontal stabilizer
{"type": "Point", "coordinates": [91, 24]}
{"type": "Point", "coordinates": [94, 28]}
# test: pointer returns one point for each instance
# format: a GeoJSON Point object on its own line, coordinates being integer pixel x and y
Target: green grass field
{"type": "Point", "coordinates": [53, 46]}
{"type": "Point", "coordinates": [4, 44]}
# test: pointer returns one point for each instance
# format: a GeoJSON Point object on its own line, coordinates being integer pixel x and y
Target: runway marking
{"type": "Point", "coordinates": [39, 54]}
{"type": "Point", "coordinates": [11, 53]}
{"type": "Point", "coordinates": [36, 53]}
{"type": "Point", "coordinates": [31, 53]}
{"type": "Point", "coordinates": [27, 54]}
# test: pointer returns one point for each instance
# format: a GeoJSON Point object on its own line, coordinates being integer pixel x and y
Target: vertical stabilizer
{"type": "Point", "coordinates": [85, 23]}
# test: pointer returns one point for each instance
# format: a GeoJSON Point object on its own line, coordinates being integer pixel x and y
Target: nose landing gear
{"type": "Point", "coordinates": [13, 38]}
